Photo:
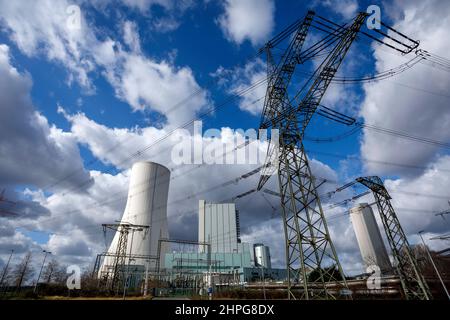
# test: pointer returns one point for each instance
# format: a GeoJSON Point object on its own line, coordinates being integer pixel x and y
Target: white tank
{"type": "Point", "coordinates": [369, 238]}
{"type": "Point", "coordinates": [147, 206]}
{"type": "Point", "coordinates": [262, 255]}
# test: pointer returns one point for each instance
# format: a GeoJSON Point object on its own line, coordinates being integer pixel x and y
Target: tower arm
{"type": "Point", "coordinates": [323, 76]}
{"type": "Point", "coordinates": [280, 76]}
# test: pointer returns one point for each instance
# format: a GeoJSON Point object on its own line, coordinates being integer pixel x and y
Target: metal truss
{"type": "Point", "coordinates": [412, 281]}
{"type": "Point", "coordinates": [121, 251]}
{"type": "Point", "coordinates": [311, 258]}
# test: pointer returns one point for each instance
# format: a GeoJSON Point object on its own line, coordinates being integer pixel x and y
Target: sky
{"type": "Point", "coordinates": [82, 99]}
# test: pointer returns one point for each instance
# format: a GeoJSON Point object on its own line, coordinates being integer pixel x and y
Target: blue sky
{"type": "Point", "coordinates": [132, 61]}
{"type": "Point", "coordinates": [198, 43]}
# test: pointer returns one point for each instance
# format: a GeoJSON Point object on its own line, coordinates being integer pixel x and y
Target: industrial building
{"type": "Point", "coordinates": [369, 238]}
{"type": "Point", "coordinates": [229, 259]}
{"type": "Point", "coordinates": [146, 208]}
{"type": "Point", "coordinates": [218, 224]}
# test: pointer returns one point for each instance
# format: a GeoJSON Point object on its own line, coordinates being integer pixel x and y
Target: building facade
{"type": "Point", "coordinates": [218, 224]}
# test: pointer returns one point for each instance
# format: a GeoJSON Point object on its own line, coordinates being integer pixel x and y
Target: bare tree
{"type": "Point", "coordinates": [51, 271]}
{"type": "Point", "coordinates": [23, 271]}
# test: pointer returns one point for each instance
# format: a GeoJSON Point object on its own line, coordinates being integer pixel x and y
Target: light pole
{"type": "Point", "coordinates": [434, 266]}
{"type": "Point", "coordinates": [146, 278]}
{"type": "Point", "coordinates": [263, 281]}
{"type": "Point", "coordinates": [42, 267]}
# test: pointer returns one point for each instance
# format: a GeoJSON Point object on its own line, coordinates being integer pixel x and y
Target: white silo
{"type": "Point", "coordinates": [262, 255]}
{"type": "Point", "coordinates": [146, 206]}
{"type": "Point", "coordinates": [369, 238]}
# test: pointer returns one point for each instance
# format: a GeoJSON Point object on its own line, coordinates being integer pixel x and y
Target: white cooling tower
{"type": "Point", "coordinates": [369, 238]}
{"type": "Point", "coordinates": [147, 206]}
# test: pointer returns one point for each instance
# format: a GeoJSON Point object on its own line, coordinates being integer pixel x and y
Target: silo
{"type": "Point", "coordinates": [146, 205]}
{"type": "Point", "coordinates": [369, 238]}
{"type": "Point", "coordinates": [262, 255]}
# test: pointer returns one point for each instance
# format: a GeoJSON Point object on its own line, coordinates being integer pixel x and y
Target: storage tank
{"type": "Point", "coordinates": [262, 255]}
{"type": "Point", "coordinates": [369, 239]}
{"type": "Point", "coordinates": [146, 205]}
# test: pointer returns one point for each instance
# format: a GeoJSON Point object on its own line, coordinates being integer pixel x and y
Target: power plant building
{"type": "Point", "coordinates": [218, 224]}
{"type": "Point", "coordinates": [369, 238]}
{"type": "Point", "coordinates": [146, 206]}
{"type": "Point", "coordinates": [228, 257]}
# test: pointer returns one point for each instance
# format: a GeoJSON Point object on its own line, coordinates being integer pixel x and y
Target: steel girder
{"type": "Point", "coordinates": [412, 281]}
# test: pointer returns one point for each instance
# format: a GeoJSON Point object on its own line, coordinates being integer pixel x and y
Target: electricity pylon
{"type": "Point", "coordinates": [308, 243]}
{"type": "Point", "coordinates": [121, 250]}
{"type": "Point", "coordinates": [412, 281]}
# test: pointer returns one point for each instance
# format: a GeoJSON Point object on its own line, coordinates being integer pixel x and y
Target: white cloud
{"type": "Point", "coordinates": [251, 20]}
{"type": "Point", "coordinates": [146, 84]}
{"type": "Point", "coordinates": [346, 8]}
{"type": "Point", "coordinates": [389, 104]}
{"type": "Point", "coordinates": [131, 36]}
{"type": "Point", "coordinates": [145, 5]}
{"type": "Point", "coordinates": [240, 78]}
{"type": "Point", "coordinates": [31, 152]}
{"type": "Point", "coordinates": [427, 192]}
{"type": "Point", "coordinates": [40, 28]}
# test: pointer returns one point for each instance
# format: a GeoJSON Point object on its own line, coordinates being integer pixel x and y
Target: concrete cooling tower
{"type": "Point", "coordinates": [369, 237]}
{"type": "Point", "coordinates": [146, 206]}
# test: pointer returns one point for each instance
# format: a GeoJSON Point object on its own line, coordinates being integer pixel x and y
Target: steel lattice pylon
{"type": "Point", "coordinates": [309, 249]}
{"type": "Point", "coordinates": [120, 255]}
{"type": "Point", "coordinates": [119, 261]}
{"type": "Point", "coordinates": [413, 283]}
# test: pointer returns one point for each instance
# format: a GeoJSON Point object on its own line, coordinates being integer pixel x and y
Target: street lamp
{"type": "Point", "coordinates": [42, 267]}
{"type": "Point", "coordinates": [434, 266]}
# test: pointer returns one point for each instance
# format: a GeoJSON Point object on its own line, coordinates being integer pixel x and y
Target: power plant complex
{"type": "Point", "coordinates": [257, 218]}
{"type": "Point", "coordinates": [142, 249]}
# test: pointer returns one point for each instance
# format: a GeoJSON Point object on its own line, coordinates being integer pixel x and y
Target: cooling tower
{"type": "Point", "coordinates": [369, 238]}
{"type": "Point", "coordinates": [146, 206]}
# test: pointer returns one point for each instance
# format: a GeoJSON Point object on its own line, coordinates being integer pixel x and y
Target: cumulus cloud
{"type": "Point", "coordinates": [239, 78]}
{"type": "Point", "coordinates": [41, 27]}
{"type": "Point", "coordinates": [251, 20]}
{"type": "Point", "coordinates": [32, 152]}
{"type": "Point", "coordinates": [144, 83]}
{"type": "Point", "coordinates": [419, 198]}
{"type": "Point", "coordinates": [346, 8]}
{"type": "Point", "coordinates": [395, 104]}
